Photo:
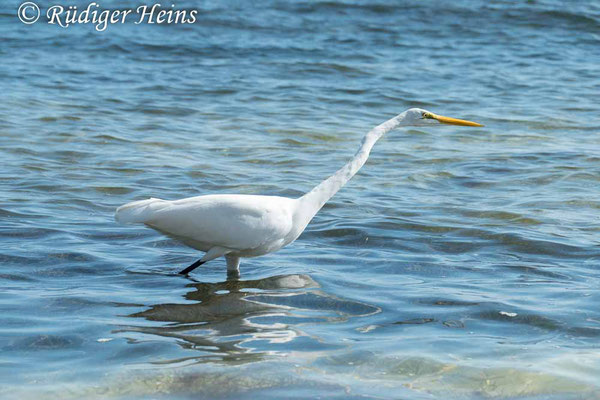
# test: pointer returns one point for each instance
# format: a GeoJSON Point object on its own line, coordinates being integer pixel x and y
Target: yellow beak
{"type": "Point", "coordinates": [454, 121]}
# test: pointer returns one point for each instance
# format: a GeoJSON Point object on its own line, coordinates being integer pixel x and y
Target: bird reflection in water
{"type": "Point", "coordinates": [239, 321]}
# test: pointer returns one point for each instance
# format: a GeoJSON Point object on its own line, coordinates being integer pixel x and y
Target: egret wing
{"type": "Point", "coordinates": [237, 222]}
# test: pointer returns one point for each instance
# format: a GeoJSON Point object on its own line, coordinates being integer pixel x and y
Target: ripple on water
{"type": "Point", "coordinates": [45, 342]}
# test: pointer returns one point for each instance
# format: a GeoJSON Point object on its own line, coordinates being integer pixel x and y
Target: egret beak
{"type": "Point", "coordinates": [454, 121]}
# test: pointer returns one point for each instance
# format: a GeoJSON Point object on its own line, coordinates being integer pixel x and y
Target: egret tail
{"type": "Point", "coordinates": [139, 211]}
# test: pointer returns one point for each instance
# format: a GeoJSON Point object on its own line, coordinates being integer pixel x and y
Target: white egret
{"type": "Point", "coordinates": [237, 225]}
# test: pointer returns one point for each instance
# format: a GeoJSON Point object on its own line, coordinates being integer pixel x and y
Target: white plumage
{"type": "Point", "coordinates": [249, 225]}
{"type": "Point", "coordinates": [237, 225]}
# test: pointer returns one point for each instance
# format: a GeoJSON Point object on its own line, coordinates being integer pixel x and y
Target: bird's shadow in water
{"type": "Point", "coordinates": [239, 321]}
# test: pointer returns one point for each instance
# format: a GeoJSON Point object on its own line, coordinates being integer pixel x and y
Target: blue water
{"type": "Point", "coordinates": [459, 263]}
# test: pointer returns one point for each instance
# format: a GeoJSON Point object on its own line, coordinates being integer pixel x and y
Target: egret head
{"type": "Point", "coordinates": [420, 117]}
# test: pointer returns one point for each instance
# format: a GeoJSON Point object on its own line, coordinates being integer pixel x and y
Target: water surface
{"type": "Point", "coordinates": [459, 263]}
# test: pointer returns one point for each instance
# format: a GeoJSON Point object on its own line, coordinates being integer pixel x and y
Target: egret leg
{"type": "Point", "coordinates": [233, 267]}
{"type": "Point", "coordinates": [233, 263]}
{"type": "Point", "coordinates": [211, 254]}
{"type": "Point", "coordinates": [233, 275]}
{"type": "Point", "coordinates": [192, 267]}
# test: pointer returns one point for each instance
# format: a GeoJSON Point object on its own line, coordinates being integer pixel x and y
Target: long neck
{"type": "Point", "coordinates": [311, 202]}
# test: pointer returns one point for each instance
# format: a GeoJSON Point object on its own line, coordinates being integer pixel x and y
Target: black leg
{"type": "Point", "coordinates": [233, 275]}
{"type": "Point", "coordinates": [192, 267]}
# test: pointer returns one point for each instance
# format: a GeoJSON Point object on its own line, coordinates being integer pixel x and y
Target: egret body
{"type": "Point", "coordinates": [237, 225]}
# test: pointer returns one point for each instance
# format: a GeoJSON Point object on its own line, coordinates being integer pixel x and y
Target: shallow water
{"type": "Point", "coordinates": [459, 263]}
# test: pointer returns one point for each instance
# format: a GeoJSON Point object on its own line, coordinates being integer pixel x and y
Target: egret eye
{"type": "Point", "coordinates": [426, 115]}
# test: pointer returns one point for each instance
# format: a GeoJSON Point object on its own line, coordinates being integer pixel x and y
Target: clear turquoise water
{"type": "Point", "coordinates": [459, 263]}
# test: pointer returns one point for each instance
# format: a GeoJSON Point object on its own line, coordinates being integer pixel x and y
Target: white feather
{"type": "Point", "coordinates": [248, 225]}
{"type": "Point", "coordinates": [138, 211]}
